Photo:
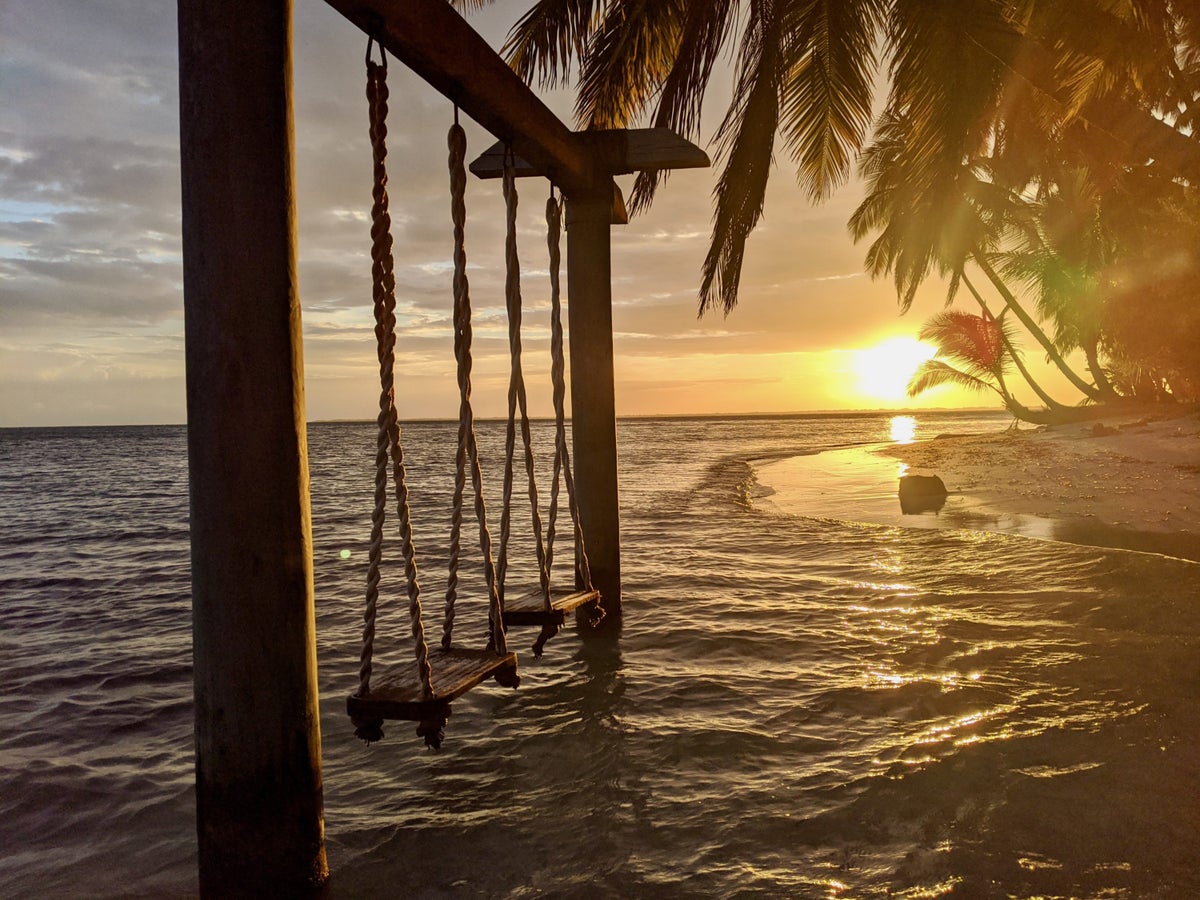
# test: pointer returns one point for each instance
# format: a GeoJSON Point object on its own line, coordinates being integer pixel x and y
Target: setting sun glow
{"type": "Point", "coordinates": [903, 430]}
{"type": "Point", "coordinates": [883, 371]}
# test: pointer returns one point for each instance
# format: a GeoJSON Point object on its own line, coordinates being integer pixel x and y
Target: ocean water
{"type": "Point", "coordinates": [796, 707]}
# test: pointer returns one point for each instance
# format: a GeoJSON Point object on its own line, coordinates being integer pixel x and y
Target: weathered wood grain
{"type": "Point", "coordinates": [396, 692]}
{"type": "Point", "coordinates": [530, 609]}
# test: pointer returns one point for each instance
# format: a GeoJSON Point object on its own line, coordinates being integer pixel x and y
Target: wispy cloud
{"type": "Point", "coordinates": [90, 259]}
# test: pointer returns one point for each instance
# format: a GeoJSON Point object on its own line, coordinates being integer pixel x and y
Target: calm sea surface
{"type": "Point", "coordinates": [797, 707]}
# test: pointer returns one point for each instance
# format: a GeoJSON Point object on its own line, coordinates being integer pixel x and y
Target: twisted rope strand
{"type": "Point", "coordinates": [555, 257]}
{"type": "Point", "coordinates": [468, 447]}
{"type": "Point", "coordinates": [458, 216]}
{"type": "Point", "coordinates": [512, 296]}
{"type": "Point", "coordinates": [562, 458]}
{"type": "Point", "coordinates": [384, 295]}
{"type": "Point", "coordinates": [379, 512]}
{"type": "Point", "coordinates": [374, 553]}
{"type": "Point", "coordinates": [506, 503]}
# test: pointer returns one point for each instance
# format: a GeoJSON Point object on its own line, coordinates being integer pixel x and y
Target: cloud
{"type": "Point", "coordinates": [90, 260]}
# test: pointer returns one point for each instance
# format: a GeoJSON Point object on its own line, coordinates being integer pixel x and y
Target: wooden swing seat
{"type": "Point", "coordinates": [530, 609]}
{"type": "Point", "coordinates": [396, 692]}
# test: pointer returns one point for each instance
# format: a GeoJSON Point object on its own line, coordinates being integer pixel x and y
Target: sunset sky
{"type": "Point", "coordinates": [91, 305]}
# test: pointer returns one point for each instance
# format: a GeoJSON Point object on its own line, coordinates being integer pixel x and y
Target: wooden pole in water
{"type": "Point", "coordinates": [258, 746]}
{"type": "Point", "coordinates": [593, 402]}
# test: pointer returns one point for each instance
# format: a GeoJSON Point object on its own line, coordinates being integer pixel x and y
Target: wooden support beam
{"type": "Point", "coordinates": [593, 398]}
{"type": "Point", "coordinates": [259, 806]}
{"type": "Point", "coordinates": [434, 41]}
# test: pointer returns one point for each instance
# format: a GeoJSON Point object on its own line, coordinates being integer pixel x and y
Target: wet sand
{"type": "Point", "coordinates": [1130, 482]}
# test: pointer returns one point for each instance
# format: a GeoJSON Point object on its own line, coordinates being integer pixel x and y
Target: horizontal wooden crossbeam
{"type": "Point", "coordinates": [433, 40]}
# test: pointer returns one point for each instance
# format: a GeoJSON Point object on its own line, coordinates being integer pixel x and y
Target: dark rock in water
{"type": "Point", "coordinates": [921, 493]}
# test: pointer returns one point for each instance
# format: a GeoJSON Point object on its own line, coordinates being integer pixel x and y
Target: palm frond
{"type": "Point", "coordinates": [956, 277]}
{"type": "Point", "coordinates": [706, 28]}
{"type": "Point", "coordinates": [1101, 47]}
{"type": "Point", "coordinates": [544, 41]}
{"type": "Point", "coordinates": [745, 140]}
{"type": "Point", "coordinates": [923, 224]}
{"type": "Point", "coordinates": [975, 342]}
{"type": "Point", "coordinates": [941, 81]}
{"type": "Point", "coordinates": [933, 373]}
{"type": "Point", "coordinates": [830, 62]}
{"type": "Point", "coordinates": [629, 55]}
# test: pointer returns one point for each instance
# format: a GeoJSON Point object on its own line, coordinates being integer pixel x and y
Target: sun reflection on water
{"type": "Point", "coordinates": [946, 680]}
{"type": "Point", "coordinates": [902, 429]}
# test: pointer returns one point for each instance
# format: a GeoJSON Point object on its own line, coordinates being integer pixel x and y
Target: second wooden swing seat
{"type": "Point", "coordinates": [543, 607]}
{"type": "Point", "coordinates": [530, 609]}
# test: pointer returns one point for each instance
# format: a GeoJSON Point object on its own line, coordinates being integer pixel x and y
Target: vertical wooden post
{"type": "Point", "coordinates": [593, 403]}
{"type": "Point", "coordinates": [258, 745]}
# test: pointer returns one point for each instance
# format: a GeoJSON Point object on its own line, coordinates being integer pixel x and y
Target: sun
{"type": "Point", "coordinates": [883, 371]}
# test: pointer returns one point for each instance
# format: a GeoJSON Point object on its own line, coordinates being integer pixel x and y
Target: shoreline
{"type": "Point", "coordinates": [1123, 482]}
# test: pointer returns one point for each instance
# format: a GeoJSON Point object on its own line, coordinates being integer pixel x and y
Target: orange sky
{"type": "Point", "coordinates": [90, 261]}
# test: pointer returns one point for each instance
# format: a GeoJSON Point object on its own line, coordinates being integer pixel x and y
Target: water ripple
{"type": "Point", "coordinates": [797, 707]}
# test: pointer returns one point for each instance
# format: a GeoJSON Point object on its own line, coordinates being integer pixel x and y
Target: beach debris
{"type": "Point", "coordinates": [921, 493]}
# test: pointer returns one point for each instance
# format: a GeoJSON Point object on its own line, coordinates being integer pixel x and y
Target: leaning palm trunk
{"type": "Point", "coordinates": [1091, 352]}
{"type": "Point", "coordinates": [1010, 301]}
{"type": "Point", "coordinates": [935, 372]}
{"type": "Point", "coordinates": [1050, 402]}
{"type": "Point", "coordinates": [981, 348]}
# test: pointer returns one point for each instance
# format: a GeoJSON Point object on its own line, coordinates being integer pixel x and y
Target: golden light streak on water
{"type": "Point", "coordinates": [903, 429]}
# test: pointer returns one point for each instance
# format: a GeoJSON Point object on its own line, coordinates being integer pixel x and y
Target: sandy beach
{"type": "Point", "coordinates": [1130, 481]}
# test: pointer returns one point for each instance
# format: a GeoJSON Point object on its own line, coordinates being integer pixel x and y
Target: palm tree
{"type": "Point", "coordinates": [1051, 404]}
{"type": "Point", "coordinates": [1062, 255]}
{"type": "Point", "coordinates": [976, 344]}
{"type": "Point", "coordinates": [939, 225]}
{"type": "Point", "coordinates": [805, 73]}
{"type": "Point", "coordinates": [980, 348]}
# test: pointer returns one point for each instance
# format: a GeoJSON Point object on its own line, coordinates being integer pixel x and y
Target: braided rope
{"type": "Point", "coordinates": [462, 356]}
{"type": "Point", "coordinates": [468, 448]}
{"type": "Point", "coordinates": [516, 387]}
{"type": "Point", "coordinates": [562, 458]}
{"type": "Point", "coordinates": [383, 289]}
{"type": "Point", "coordinates": [553, 227]}
{"type": "Point", "coordinates": [510, 431]}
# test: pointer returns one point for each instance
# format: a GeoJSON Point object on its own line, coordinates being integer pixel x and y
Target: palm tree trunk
{"type": "Point", "coordinates": [1024, 413]}
{"type": "Point", "coordinates": [1091, 352]}
{"type": "Point", "coordinates": [1010, 301]}
{"type": "Point", "coordinates": [1050, 402]}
